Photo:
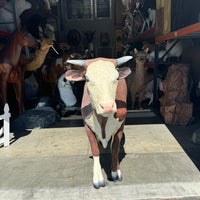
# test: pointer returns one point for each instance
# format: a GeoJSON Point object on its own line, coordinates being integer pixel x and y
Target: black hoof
{"type": "Point", "coordinates": [116, 177]}
{"type": "Point", "coordinates": [98, 185]}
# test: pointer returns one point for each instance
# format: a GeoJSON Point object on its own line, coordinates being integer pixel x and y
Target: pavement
{"type": "Point", "coordinates": [56, 164]}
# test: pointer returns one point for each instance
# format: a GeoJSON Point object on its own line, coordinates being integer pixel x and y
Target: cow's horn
{"type": "Point", "coordinates": [123, 59]}
{"type": "Point", "coordinates": [76, 62]}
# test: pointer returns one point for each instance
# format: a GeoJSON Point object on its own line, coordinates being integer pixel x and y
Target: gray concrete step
{"type": "Point", "coordinates": [56, 163]}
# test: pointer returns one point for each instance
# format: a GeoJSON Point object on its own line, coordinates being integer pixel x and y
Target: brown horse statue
{"type": "Point", "coordinates": [10, 71]}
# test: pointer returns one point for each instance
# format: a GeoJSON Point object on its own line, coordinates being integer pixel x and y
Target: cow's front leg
{"type": "Point", "coordinates": [116, 173]}
{"type": "Point", "coordinates": [98, 180]}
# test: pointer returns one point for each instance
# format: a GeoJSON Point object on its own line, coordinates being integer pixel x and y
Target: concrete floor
{"type": "Point", "coordinates": [56, 163]}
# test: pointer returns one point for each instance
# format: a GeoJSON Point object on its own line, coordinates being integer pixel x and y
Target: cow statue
{"type": "Point", "coordinates": [103, 107]}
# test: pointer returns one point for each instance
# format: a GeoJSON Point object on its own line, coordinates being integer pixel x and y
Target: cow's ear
{"type": "Point", "coordinates": [124, 72]}
{"type": "Point", "coordinates": [75, 75]}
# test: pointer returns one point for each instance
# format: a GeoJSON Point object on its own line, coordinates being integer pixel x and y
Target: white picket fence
{"type": "Point", "coordinates": [5, 130]}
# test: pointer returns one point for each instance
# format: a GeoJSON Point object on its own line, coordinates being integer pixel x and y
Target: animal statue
{"type": "Point", "coordinates": [161, 53]}
{"type": "Point", "coordinates": [49, 32]}
{"type": "Point", "coordinates": [52, 70]}
{"type": "Point", "coordinates": [26, 64]}
{"type": "Point", "coordinates": [152, 17]}
{"type": "Point", "coordinates": [136, 80]}
{"type": "Point", "coordinates": [66, 92]}
{"type": "Point", "coordinates": [150, 46]}
{"type": "Point", "coordinates": [176, 51]}
{"type": "Point", "coordinates": [40, 55]}
{"type": "Point", "coordinates": [10, 71]}
{"type": "Point", "coordinates": [103, 107]}
{"type": "Point", "coordinates": [128, 24]}
{"type": "Point", "coordinates": [148, 93]}
{"type": "Point", "coordinates": [126, 3]}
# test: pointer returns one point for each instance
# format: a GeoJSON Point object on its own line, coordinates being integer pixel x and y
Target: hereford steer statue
{"type": "Point", "coordinates": [103, 107]}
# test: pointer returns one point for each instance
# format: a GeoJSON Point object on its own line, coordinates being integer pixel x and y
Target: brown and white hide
{"type": "Point", "coordinates": [103, 107]}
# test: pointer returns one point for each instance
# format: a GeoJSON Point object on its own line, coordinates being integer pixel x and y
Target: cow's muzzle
{"type": "Point", "coordinates": [108, 107]}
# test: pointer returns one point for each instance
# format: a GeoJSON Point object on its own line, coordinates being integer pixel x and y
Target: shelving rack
{"type": "Point", "coordinates": [150, 34]}
{"type": "Point", "coordinates": [192, 31]}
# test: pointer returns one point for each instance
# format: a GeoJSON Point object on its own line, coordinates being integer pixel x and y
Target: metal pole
{"type": "Point", "coordinates": [155, 76]}
{"type": "Point", "coordinates": [14, 13]}
{"type": "Point", "coordinates": [169, 50]}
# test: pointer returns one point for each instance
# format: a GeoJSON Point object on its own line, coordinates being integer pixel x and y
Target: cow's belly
{"type": "Point", "coordinates": [111, 128]}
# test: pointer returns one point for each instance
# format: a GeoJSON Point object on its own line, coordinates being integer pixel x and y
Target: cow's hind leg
{"type": "Point", "coordinates": [98, 180]}
{"type": "Point", "coordinates": [116, 173]}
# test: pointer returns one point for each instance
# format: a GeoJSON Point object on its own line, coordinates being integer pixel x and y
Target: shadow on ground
{"type": "Point", "coordinates": [18, 134]}
{"type": "Point", "coordinates": [106, 157]}
{"type": "Point", "coordinates": [183, 135]}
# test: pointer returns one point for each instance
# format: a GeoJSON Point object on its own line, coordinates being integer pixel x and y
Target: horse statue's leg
{"type": "Point", "coordinates": [18, 91]}
{"type": "Point", "coordinates": [4, 76]}
{"type": "Point", "coordinates": [3, 88]}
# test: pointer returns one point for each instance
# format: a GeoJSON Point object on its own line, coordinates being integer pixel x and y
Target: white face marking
{"type": "Point", "coordinates": [102, 80]}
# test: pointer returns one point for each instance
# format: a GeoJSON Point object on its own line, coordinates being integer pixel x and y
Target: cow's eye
{"type": "Point", "coordinates": [116, 80]}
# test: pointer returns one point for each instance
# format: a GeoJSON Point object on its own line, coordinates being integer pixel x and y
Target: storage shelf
{"type": "Point", "coordinates": [192, 31]}
{"type": "Point", "coordinates": [150, 34]}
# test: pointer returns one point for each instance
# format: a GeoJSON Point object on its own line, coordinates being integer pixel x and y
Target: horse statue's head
{"type": "Point", "coordinates": [25, 39]}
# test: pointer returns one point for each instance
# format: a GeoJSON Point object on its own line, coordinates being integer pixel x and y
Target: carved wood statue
{"type": "Point", "coordinates": [176, 107]}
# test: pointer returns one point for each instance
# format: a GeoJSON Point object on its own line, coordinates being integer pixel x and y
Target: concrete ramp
{"type": "Point", "coordinates": [56, 164]}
